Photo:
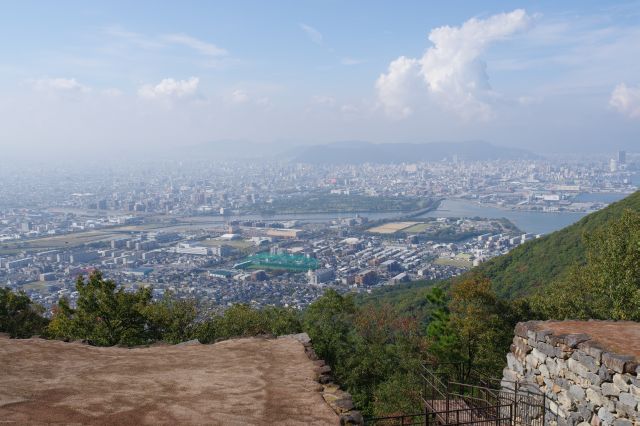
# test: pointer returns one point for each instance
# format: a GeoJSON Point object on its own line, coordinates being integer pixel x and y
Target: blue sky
{"type": "Point", "coordinates": [549, 76]}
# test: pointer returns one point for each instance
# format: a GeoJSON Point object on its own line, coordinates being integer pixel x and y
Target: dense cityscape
{"type": "Point", "coordinates": [279, 233]}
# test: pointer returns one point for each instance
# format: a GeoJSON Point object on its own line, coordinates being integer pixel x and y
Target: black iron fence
{"type": "Point", "coordinates": [453, 394]}
{"type": "Point", "coordinates": [500, 415]}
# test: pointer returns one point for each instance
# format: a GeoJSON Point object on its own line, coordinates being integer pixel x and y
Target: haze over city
{"type": "Point", "coordinates": [322, 212]}
{"type": "Point", "coordinates": [84, 79]}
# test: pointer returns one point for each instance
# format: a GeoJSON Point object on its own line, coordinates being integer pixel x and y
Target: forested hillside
{"type": "Point", "coordinates": [526, 269]}
{"type": "Point", "coordinates": [538, 262]}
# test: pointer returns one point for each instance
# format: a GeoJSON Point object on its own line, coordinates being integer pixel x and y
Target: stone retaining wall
{"type": "Point", "coordinates": [339, 400]}
{"type": "Point", "coordinates": [584, 382]}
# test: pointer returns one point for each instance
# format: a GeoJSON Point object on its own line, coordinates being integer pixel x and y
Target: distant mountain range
{"type": "Point", "coordinates": [354, 152]}
{"type": "Point", "coordinates": [365, 152]}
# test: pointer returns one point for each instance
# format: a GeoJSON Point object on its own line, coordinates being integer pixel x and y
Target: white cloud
{"type": "Point", "coordinates": [626, 100]}
{"type": "Point", "coordinates": [67, 85]}
{"type": "Point", "coordinates": [164, 41]}
{"type": "Point", "coordinates": [350, 61]}
{"type": "Point", "coordinates": [397, 88]}
{"type": "Point", "coordinates": [312, 33]}
{"type": "Point", "coordinates": [208, 49]}
{"type": "Point", "coordinates": [170, 88]}
{"type": "Point", "coordinates": [252, 98]}
{"type": "Point", "coordinates": [112, 92]}
{"type": "Point", "coordinates": [239, 96]}
{"type": "Point", "coordinates": [324, 100]}
{"type": "Point", "coordinates": [451, 70]}
{"type": "Point", "coordinates": [349, 109]}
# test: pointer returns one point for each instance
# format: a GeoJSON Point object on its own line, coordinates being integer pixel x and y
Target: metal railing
{"type": "Point", "coordinates": [451, 417]}
{"type": "Point", "coordinates": [454, 394]}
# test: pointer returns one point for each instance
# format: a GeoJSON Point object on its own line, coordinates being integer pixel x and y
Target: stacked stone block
{"type": "Point", "coordinates": [339, 400]}
{"type": "Point", "coordinates": [584, 383]}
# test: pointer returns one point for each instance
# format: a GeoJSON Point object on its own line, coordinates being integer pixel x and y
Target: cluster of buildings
{"type": "Point", "coordinates": [190, 230]}
{"type": "Point", "coordinates": [215, 265]}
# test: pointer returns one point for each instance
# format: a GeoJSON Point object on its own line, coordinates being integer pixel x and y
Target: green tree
{"type": "Point", "coordinates": [281, 321]}
{"type": "Point", "coordinates": [171, 320]}
{"type": "Point", "coordinates": [241, 320]}
{"type": "Point", "coordinates": [445, 344]}
{"type": "Point", "coordinates": [607, 284]}
{"type": "Point", "coordinates": [484, 323]}
{"type": "Point", "coordinates": [329, 323]}
{"type": "Point", "coordinates": [19, 316]}
{"type": "Point", "coordinates": [105, 315]}
{"type": "Point", "coordinates": [209, 330]}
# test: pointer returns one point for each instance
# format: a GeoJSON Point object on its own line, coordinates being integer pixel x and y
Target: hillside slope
{"type": "Point", "coordinates": [522, 271]}
{"type": "Point", "coordinates": [536, 263]}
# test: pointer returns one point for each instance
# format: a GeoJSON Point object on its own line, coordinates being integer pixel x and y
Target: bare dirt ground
{"type": "Point", "coordinates": [235, 382]}
{"type": "Point", "coordinates": [622, 337]}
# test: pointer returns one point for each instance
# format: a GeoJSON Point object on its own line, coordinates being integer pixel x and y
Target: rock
{"type": "Point", "coordinates": [594, 379]}
{"type": "Point", "coordinates": [300, 337]}
{"type": "Point", "coordinates": [541, 335]}
{"type": "Point", "coordinates": [311, 354]}
{"type": "Point", "coordinates": [572, 340]}
{"type": "Point", "coordinates": [605, 416]}
{"type": "Point", "coordinates": [330, 388]}
{"type": "Point", "coordinates": [514, 364]}
{"type": "Point", "coordinates": [585, 409]}
{"type": "Point", "coordinates": [622, 422]}
{"type": "Point", "coordinates": [577, 367]}
{"type": "Point", "coordinates": [576, 393]}
{"type": "Point", "coordinates": [547, 349]}
{"type": "Point", "coordinates": [193, 342]}
{"type": "Point", "coordinates": [564, 400]}
{"type": "Point", "coordinates": [605, 374]}
{"type": "Point", "coordinates": [544, 370]}
{"type": "Point", "coordinates": [621, 382]}
{"type": "Point", "coordinates": [531, 361]}
{"type": "Point", "coordinates": [520, 347]}
{"type": "Point", "coordinates": [325, 378]}
{"type": "Point", "coordinates": [343, 405]}
{"type": "Point", "coordinates": [587, 361]}
{"type": "Point", "coordinates": [595, 397]}
{"type": "Point", "coordinates": [628, 400]}
{"type": "Point", "coordinates": [619, 363]}
{"type": "Point", "coordinates": [552, 366]}
{"type": "Point", "coordinates": [538, 355]}
{"type": "Point", "coordinates": [521, 330]}
{"type": "Point", "coordinates": [609, 389]}
{"type": "Point", "coordinates": [574, 418]}
{"type": "Point", "coordinates": [351, 418]}
{"type": "Point", "coordinates": [509, 375]}
{"type": "Point", "coordinates": [324, 369]}
{"type": "Point", "coordinates": [593, 349]}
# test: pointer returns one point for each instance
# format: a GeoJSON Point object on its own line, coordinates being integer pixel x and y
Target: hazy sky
{"type": "Point", "coordinates": [86, 77]}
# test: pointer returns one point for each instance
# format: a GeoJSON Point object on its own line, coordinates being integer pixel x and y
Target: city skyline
{"type": "Point", "coordinates": [84, 79]}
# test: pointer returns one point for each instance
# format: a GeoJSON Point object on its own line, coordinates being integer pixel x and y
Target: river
{"type": "Point", "coordinates": [527, 221]}
{"type": "Point", "coordinates": [534, 222]}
